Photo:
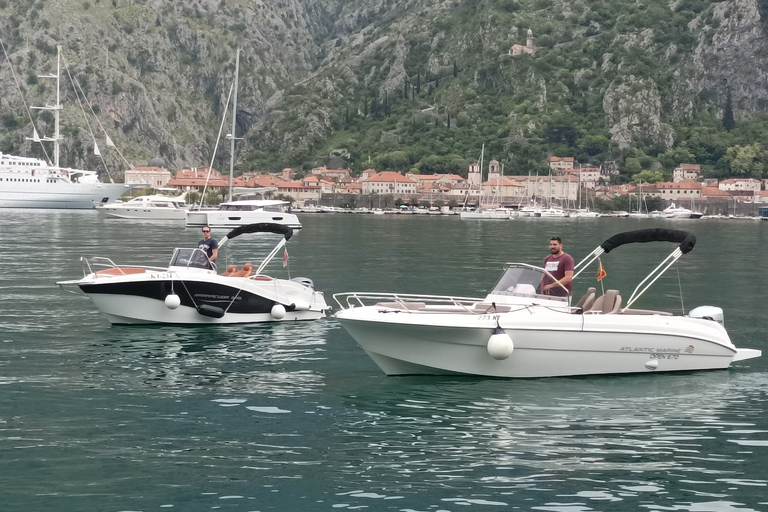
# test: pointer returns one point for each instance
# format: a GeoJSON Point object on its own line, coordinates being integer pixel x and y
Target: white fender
{"type": "Point", "coordinates": [278, 312]}
{"type": "Point", "coordinates": [500, 345]}
{"type": "Point", "coordinates": [172, 301]}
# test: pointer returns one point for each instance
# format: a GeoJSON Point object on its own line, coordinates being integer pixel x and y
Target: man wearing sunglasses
{"type": "Point", "coordinates": [560, 264]}
{"type": "Point", "coordinates": [208, 244]}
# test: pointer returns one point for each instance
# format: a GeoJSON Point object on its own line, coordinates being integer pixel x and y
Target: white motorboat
{"type": "Point", "coordinates": [155, 207]}
{"type": "Point", "coordinates": [680, 212]}
{"type": "Point", "coordinates": [515, 331]}
{"type": "Point", "coordinates": [238, 213]}
{"type": "Point", "coordinates": [190, 291]}
{"type": "Point", "coordinates": [35, 183]}
{"type": "Point", "coordinates": [488, 213]}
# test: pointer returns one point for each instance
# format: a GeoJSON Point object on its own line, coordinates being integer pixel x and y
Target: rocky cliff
{"type": "Point", "coordinates": [158, 73]}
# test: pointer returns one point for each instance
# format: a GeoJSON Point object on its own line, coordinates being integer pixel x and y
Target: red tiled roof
{"type": "Point", "coordinates": [685, 184]}
{"type": "Point", "coordinates": [390, 177]}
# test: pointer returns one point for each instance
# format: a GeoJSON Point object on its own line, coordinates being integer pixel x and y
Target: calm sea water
{"type": "Point", "coordinates": [297, 417]}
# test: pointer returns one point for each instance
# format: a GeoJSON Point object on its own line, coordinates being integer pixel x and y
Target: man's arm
{"type": "Point", "coordinates": [215, 254]}
{"type": "Point", "coordinates": [568, 278]}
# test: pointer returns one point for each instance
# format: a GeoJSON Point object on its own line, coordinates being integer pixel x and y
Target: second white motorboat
{"type": "Point", "coordinates": [516, 331]}
{"type": "Point", "coordinates": [238, 213]}
{"type": "Point", "coordinates": [190, 291]}
{"type": "Point", "coordinates": [155, 207]}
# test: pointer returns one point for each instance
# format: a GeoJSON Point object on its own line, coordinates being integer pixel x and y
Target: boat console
{"type": "Point", "coordinates": [191, 258]}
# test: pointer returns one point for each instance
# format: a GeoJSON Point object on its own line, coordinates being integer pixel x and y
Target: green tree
{"type": "Point", "coordinates": [676, 156]}
{"type": "Point", "coordinates": [594, 144]}
{"type": "Point", "coordinates": [632, 166]}
{"type": "Point", "coordinates": [648, 176]}
{"type": "Point", "coordinates": [746, 161]}
{"type": "Point", "coordinates": [729, 123]}
{"type": "Point", "coordinates": [393, 161]}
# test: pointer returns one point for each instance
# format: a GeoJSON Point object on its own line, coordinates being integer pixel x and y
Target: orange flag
{"type": "Point", "coordinates": [601, 273]}
{"type": "Point", "coordinates": [285, 258]}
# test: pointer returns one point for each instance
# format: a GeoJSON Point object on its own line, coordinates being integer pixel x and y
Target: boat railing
{"type": "Point", "coordinates": [99, 265]}
{"type": "Point", "coordinates": [405, 301]}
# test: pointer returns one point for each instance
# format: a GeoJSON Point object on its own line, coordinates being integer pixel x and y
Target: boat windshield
{"type": "Point", "coordinates": [521, 280]}
{"type": "Point", "coordinates": [195, 258]}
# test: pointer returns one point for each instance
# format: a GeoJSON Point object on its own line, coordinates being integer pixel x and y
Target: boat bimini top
{"type": "Point", "coordinates": [685, 239]}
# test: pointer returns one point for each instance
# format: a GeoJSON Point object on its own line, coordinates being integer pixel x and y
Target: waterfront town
{"type": "Point", "coordinates": [566, 184]}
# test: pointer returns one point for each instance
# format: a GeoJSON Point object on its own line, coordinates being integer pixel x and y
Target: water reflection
{"type": "Point", "coordinates": [615, 439]}
{"type": "Point", "coordinates": [272, 359]}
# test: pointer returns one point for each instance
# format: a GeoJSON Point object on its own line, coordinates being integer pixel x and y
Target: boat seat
{"type": "Point", "coordinates": [609, 303]}
{"type": "Point", "coordinates": [231, 270]}
{"type": "Point", "coordinates": [587, 301]}
{"type": "Point", "coordinates": [246, 271]}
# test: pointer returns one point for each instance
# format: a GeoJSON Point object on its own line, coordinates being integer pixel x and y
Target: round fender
{"type": "Point", "coordinates": [278, 312]}
{"type": "Point", "coordinates": [500, 345]}
{"type": "Point", "coordinates": [172, 301]}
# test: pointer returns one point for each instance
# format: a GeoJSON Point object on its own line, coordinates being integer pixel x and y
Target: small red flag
{"type": "Point", "coordinates": [601, 273]}
{"type": "Point", "coordinates": [285, 258]}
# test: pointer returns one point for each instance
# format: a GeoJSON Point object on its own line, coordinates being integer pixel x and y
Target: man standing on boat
{"type": "Point", "coordinates": [208, 244]}
{"type": "Point", "coordinates": [560, 265]}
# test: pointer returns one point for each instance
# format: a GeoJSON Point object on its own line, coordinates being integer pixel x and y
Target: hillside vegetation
{"type": "Point", "coordinates": [410, 84]}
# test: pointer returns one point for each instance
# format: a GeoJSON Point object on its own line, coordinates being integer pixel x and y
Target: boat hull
{"type": "Point", "coordinates": [203, 299]}
{"type": "Point", "coordinates": [59, 195]}
{"type": "Point", "coordinates": [233, 219]}
{"type": "Point", "coordinates": [142, 213]}
{"type": "Point", "coordinates": [545, 344]}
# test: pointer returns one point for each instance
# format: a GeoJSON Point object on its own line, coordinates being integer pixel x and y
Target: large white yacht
{"type": "Point", "coordinates": [34, 183]}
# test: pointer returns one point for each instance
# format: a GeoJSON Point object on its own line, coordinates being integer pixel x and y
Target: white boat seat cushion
{"type": "Point", "coordinates": [587, 301]}
{"type": "Point", "coordinates": [608, 303]}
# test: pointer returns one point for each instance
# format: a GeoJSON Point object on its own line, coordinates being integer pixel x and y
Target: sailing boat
{"type": "Point", "coordinates": [639, 213]}
{"type": "Point", "coordinates": [35, 183]}
{"type": "Point", "coordinates": [581, 212]}
{"type": "Point", "coordinates": [235, 213]}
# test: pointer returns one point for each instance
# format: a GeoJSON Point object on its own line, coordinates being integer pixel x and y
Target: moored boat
{"type": "Point", "coordinates": [34, 183]}
{"type": "Point", "coordinates": [238, 213]}
{"type": "Point", "coordinates": [154, 207]}
{"type": "Point", "coordinates": [191, 291]}
{"type": "Point", "coordinates": [516, 331]}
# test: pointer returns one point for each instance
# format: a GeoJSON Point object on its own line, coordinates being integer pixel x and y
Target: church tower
{"type": "Point", "coordinates": [529, 40]}
{"type": "Point", "coordinates": [475, 175]}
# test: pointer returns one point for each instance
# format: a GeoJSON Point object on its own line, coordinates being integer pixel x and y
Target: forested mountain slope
{"type": "Point", "coordinates": [401, 84]}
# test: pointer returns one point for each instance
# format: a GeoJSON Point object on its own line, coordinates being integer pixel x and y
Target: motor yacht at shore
{"type": "Point", "coordinates": [191, 291]}
{"type": "Point", "coordinates": [488, 214]}
{"type": "Point", "coordinates": [516, 331]}
{"type": "Point", "coordinates": [238, 213]}
{"type": "Point", "coordinates": [155, 207]}
{"type": "Point", "coordinates": [679, 212]}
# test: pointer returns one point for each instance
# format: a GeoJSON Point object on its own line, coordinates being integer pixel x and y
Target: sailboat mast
{"type": "Point", "coordinates": [57, 108]}
{"type": "Point", "coordinates": [234, 126]}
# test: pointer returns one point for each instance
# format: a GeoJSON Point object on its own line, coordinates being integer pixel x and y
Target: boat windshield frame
{"type": "Point", "coordinates": [524, 280]}
{"type": "Point", "coordinates": [191, 258]}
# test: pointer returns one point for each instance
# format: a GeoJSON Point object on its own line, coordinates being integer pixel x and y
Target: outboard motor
{"type": "Point", "coordinates": [708, 313]}
{"type": "Point", "coordinates": [305, 281]}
